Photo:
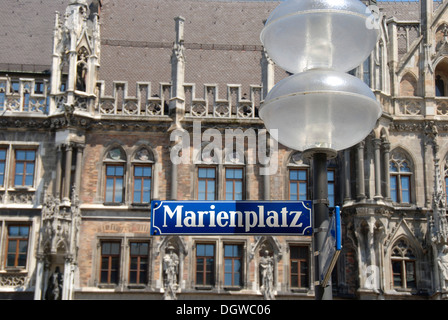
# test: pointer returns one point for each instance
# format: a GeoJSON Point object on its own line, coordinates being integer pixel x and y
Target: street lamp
{"type": "Point", "coordinates": [320, 109]}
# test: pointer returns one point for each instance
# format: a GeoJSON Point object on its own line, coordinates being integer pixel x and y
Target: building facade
{"type": "Point", "coordinates": [95, 98]}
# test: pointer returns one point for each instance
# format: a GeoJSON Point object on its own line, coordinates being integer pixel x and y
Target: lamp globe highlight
{"type": "Point", "coordinates": [309, 34]}
{"type": "Point", "coordinates": [320, 109]}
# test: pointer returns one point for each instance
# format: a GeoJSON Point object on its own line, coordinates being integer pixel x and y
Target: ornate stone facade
{"type": "Point", "coordinates": [86, 139]}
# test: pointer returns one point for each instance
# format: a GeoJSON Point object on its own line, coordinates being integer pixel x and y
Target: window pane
{"type": "Point", "coordinates": [202, 173]}
{"type": "Point", "coordinates": [201, 186]}
{"type": "Point", "coordinates": [210, 186]}
{"type": "Point", "coordinates": [2, 173]}
{"type": "Point", "coordinates": [211, 190]}
{"type": "Point", "coordinates": [138, 171]}
{"type": "Point", "coordinates": [23, 246]}
{"type": "Point", "coordinates": [21, 261]}
{"type": "Point", "coordinates": [18, 180]}
{"type": "Point", "coordinates": [405, 189]}
{"type": "Point", "coordinates": [209, 265]}
{"type": "Point", "coordinates": [393, 188]}
{"type": "Point", "coordinates": [20, 155]}
{"type": "Point", "coordinates": [114, 277]}
{"type": "Point", "coordinates": [147, 171]}
{"type": "Point", "coordinates": [237, 278]}
{"type": "Point", "coordinates": [209, 250]}
{"type": "Point", "coordinates": [405, 167]}
{"type": "Point", "coordinates": [396, 268]}
{"type": "Point", "coordinates": [238, 173]}
{"type": "Point", "coordinates": [104, 275]}
{"type": "Point", "coordinates": [200, 250]}
{"type": "Point", "coordinates": [119, 171]}
{"type": "Point", "coordinates": [236, 266]}
{"type": "Point", "coordinates": [231, 250]}
{"type": "Point", "coordinates": [109, 189]}
{"type": "Point", "coordinates": [293, 188]}
{"type": "Point", "coordinates": [134, 249]}
{"type": "Point", "coordinates": [393, 167]}
{"type": "Point", "coordinates": [199, 278]}
{"type": "Point", "coordinates": [331, 194]}
{"type": "Point", "coordinates": [146, 196]}
{"type": "Point", "coordinates": [118, 190]}
{"type": "Point", "coordinates": [29, 177]}
{"type": "Point", "coordinates": [115, 248]}
{"type": "Point", "coordinates": [229, 190]}
{"type": "Point", "coordinates": [410, 274]}
{"type": "Point", "coordinates": [302, 194]}
{"type": "Point", "coordinates": [110, 170]}
{"type": "Point", "coordinates": [10, 261]}
{"type": "Point", "coordinates": [228, 279]}
{"type": "Point", "coordinates": [293, 191]}
{"type": "Point", "coordinates": [13, 230]}
{"type": "Point", "coordinates": [293, 175]}
{"type": "Point", "coordinates": [238, 186]}
{"type": "Point", "coordinates": [143, 248]}
{"type": "Point", "coordinates": [2, 154]}
{"type": "Point", "coordinates": [133, 277]}
{"type": "Point", "coordinates": [210, 173]}
{"type": "Point", "coordinates": [228, 265]}
{"type": "Point", "coordinates": [30, 155]}
{"type": "Point", "coordinates": [137, 197]}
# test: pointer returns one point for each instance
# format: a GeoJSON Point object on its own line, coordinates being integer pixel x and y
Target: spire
{"type": "Point", "coordinates": [439, 226]}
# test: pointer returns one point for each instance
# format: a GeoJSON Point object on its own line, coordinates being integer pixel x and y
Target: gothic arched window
{"type": "Point", "coordinates": [403, 265]}
{"type": "Point", "coordinates": [298, 168]}
{"type": "Point", "coordinates": [142, 170]}
{"type": "Point", "coordinates": [115, 165]}
{"type": "Point", "coordinates": [400, 169]}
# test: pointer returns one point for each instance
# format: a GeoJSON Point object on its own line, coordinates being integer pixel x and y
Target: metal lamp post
{"type": "Point", "coordinates": [320, 109]}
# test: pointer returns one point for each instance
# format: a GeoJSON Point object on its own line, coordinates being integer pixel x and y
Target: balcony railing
{"type": "Point", "coordinates": [32, 96]}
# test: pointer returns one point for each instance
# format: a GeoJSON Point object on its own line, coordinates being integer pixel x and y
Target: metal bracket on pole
{"type": "Point", "coordinates": [317, 230]}
{"type": "Point", "coordinates": [321, 201]}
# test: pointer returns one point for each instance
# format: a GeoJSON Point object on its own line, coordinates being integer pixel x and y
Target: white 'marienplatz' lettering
{"type": "Point", "coordinates": [232, 219]}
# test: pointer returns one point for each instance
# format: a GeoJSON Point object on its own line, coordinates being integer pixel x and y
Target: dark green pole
{"type": "Point", "coordinates": [321, 217]}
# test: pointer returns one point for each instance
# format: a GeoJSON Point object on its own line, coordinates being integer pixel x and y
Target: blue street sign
{"type": "Point", "coordinates": [231, 217]}
{"type": "Point", "coordinates": [331, 248]}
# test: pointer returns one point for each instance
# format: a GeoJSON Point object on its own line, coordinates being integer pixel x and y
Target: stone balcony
{"type": "Point", "coordinates": [26, 96]}
{"type": "Point", "coordinates": [32, 97]}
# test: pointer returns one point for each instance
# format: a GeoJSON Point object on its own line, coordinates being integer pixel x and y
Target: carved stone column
{"type": "Point", "coordinates": [347, 191]}
{"type": "Point", "coordinates": [79, 153]}
{"type": "Point", "coordinates": [68, 170]}
{"type": "Point", "coordinates": [57, 190]}
{"type": "Point", "coordinates": [361, 193]}
{"type": "Point", "coordinates": [386, 159]}
{"type": "Point", "coordinates": [377, 159]}
{"type": "Point", "coordinates": [39, 286]}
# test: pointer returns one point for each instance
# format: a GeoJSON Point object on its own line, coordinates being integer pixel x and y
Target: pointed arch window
{"type": "Point", "coordinates": [115, 164]}
{"type": "Point", "coordinates": [440, 86]}
{"type": "Point", "coordinates": [400, 169]}
{"type": "Point", "coordinates": [444, 173]}
{"type": "Point", "coordinates": [403, 265]}
{"type": "Point", "coordinates": [142, 176]}
{"type": "Point", "coordinates": [298, 177]}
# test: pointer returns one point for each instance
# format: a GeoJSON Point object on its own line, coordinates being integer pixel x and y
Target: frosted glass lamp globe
{"type": "Point", "coordinates": [320, 109]}
{"type": "Point", "coordinates": [308, 34]}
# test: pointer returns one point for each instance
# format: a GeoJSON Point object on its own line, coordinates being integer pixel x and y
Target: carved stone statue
{"type": "Point", "coordinates": [442, 261]}
{"type": "Point", "coordinates": [55, 283]}
{"type": "Point", "coordinates": [81, 70]}
{"type": "Point", "coordinates": [267, 275]}
{"type": "Point", "coordinates": [171, 269]}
